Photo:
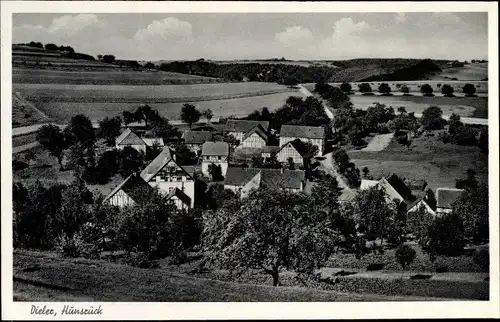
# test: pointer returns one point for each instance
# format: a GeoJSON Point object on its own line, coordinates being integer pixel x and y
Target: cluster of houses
{"type": "Point", "coordinates": [178, 181]}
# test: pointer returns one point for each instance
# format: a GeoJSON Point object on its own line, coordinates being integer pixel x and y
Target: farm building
{"type": "Point", "coordinates": [445, 198]}
{"type": "Point", "coordinates": [243, 180]}
{"type": "Point", "coordinates": [255, 138]}
{"type": "Point", "coordinates": [164, 172]}
{"type": "Point", "coordinates": [294, 150]}
{"type": "Point", "coordinates": [129, 192]}
{"type": "Point", "coordinates": [131, 139]}
{"type": "Point", "coordinates": [195, 139]}
{"type": "Point", "coordinates": [216, 153]}
{"type": "Point", "coordinates": [312, 134]}
{"type": "Point", "coordinates": [238, 128]}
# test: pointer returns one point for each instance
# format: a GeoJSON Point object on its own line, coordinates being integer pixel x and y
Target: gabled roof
{"type": "Point", "coordinates": [270, 149]}
{"type": "Point", "coordinates": [288, 179]}
{"type": "Point", "coordinates": [245, 125]}
{"type": "Point", "coordinates": [446, 196]}
{"type": "Point", "coordinates": [134, 186]}
{"type": "Point", "coordinates": [298, 131]}
{"type": "Point", "coordinates": [367, 184]}
{"type": "Point", "coordinates": [128, 137]}
{"type": "Point", "coordinates": [159, 163]}
{"type": "Point", "coordinates": [297, 144]}
{"type": "Point", "coordinates": [399, 186]}
{"type": "Point", "coordinates": [153, 141]}
{"type": "Point", "coordinates": [179, 194]}
{"type": "Point", "coordinates": [197, 137]}
{"type": "Point", "coordinates": [215, 148]}
{"type": "Point", "coordinates": [346, 195]}
{"type": "Point", "coordinates": [256, 129]}
{"type": "Point", "coordinates": [239, 176]}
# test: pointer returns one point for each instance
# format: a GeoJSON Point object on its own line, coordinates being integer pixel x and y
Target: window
{"type": "Point", "coordinates": [220, 158]}
{"type": "Point", "coordinates": [179, 178]}
{"type": "Point", "coordinates": [170, 189]}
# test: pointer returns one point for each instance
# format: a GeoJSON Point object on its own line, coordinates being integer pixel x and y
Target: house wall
{"type": "Point", "coordinates": [442, 211]}
{"type": "Point", "coordinates": [206, 163]}
{"type": "Point", "coordinates": [289, 152]}
{"type": "Point", "coordinates": [254, 183]}
{"type": "Point", "coordinates": [318, 142]}
{"type": "Point", "coordinates": [172, 176]}
{"type": "Point", "coordinates": [237, 135]}
{"type": "Point", "coordinates": [121, 199]}
{"type": "Point", "coordinates": [140, 148]}
{"type": "Point", "coordinates": [419, 204]}
{"type": "Point", "coordinates": [253, 141]}
{"type": "Point", "coordinates": [178, 203]}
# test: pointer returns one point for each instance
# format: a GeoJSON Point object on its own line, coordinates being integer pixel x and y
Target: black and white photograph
{"type": "Point", "coordinates": [281, 156]}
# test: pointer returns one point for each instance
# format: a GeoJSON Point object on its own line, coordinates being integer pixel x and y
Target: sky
{"type": "Point", "coordinates": [296, 36]}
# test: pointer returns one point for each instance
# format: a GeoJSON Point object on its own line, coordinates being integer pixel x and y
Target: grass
{"type": "Point", "coordinates": [24, 113]}
{"type": "Point", "coordinates": [438, 163]}
{"type": "Point", "coordinates": [101, 281]}
{"type": "Point", "coordinates": [468, 72]}
{"type": "Point", "coordinates": [106, 77]}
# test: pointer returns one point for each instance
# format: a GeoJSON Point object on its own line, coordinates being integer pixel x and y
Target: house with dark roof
{"type": "Point", "coordinates": [293, 150]}
{"type": "Point", "coordinates": [131, 191]}
{"type": "Point", "coordinates": [312, 134]}
{"type": "Point", "coordinates": [164, 172]}
{"type": "Point", "coordinates": [268, 152]}
{"type": "Point", "coordinates": [195, 139]}
{"type": "Point", "coordinates": [132, 139]}
{"type": "Point", "coordinates": [179, 199]}
{"type": "Point", "coordinates": [244, 180]}
{"type": "Point", "coordinates": [445, 197]}
{"type": "Point", "coordinates": [216, 153]}
{"type": "Point", "coordinates": [250, 134]}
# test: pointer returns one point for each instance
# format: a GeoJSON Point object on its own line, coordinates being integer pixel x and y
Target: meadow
{"type": "Point", "coordinates": [438, 163]}
{"type": "Point", "coordinates": [61, 102]}
{"type": "Point", "coordinates": [468, 72]}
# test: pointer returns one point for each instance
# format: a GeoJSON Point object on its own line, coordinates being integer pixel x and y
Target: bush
{"type": "Point", "coordinates": [375, 267]}
{"type": "Point", "coordinates": [179, 257]}
{"type": "Point", "coordinates": [405, 255]}
{"type": "Point", "coordinates": [72, 247]}
{"type": "Point", "coordinates": [142, 261]}
{"type": "Point", "coordinates": [482, 259]}
{"type": "Point", "coordinates": [442, 269]}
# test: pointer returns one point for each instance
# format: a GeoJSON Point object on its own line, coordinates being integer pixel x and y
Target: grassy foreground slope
{"type": "Point", "coordinates": [42, 278]}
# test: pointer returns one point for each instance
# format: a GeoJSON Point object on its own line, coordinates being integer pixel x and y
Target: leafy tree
{"type": "Point", "coordinates": [384, 89]}
{"type": "Point", "coordinates": [469, 89]}
{"type": "Point", "coordinates": [427, 90]}
{"type": "Point", "coordinates": [148, 225]}
{"type": "Point", "coordinates": [73, 213]}
{"type": "Point", "coordinates": [149, 65]}
{"type": "Point", "coordinates": [470, 182]}
{"type": "Point", "coordinates": [374, 214]}
{"type": "Point", "coordinates": [52, 138]}
{"type": "Point", "coordinates": [352, 176]}
{"type": "Point", "coordinates": [101, 227]}
{"type": "Point", "coordinates": [454, 123]}
{"type": "Point", "coordinates": [377, 114]}
{"type": "Point", "coordinates": [208, 114]}
{"type": "Point", "coordinates": [257, 162]}
{"type": "Point", "coordinates": [218, 197]}
{"type": "Point", "coordinates": [185, 156]}
{"type": "Point", "coordinates": [472, 207]}
{"type": "Point", "coordinates": [401, 110]}
{"type": "Point", "coordinates": [215, 171]}
{"type": "Point", "coordinates": [404, 140]}
{"type": "Point", "coordinates": [483, 139]}
{"type": "Point", "coordinates": [272, 163]}
{"type": "Point", "coordinates": [291, 164]}
{"type": "Point", "coordinates": [128, 117]}
{"type": "Point", "coordinates": [35, 44]}
{"type": "Point", "coordinates": [108, 59]}
{"type": "Point", "coordinates": [51, 47]}
{"type": "Point", "coordinates": [481, 258]}
{"type": "Point", "coordinates": [405, 90]}
{"type": "Point", "coordinates": [445, 236]}
{"type": "Point", "coordinates": [272, 231]}
{"type": "Point", "coordinates": [109, 129]}
{"type": "Point", "coordinates": [80, 130]}
{"type": "Point", "coordinates": [145, 113]}
{"type": "Point", "coordinates": [190, 114]}
{"type": "Point", "coordinates": [290, 81]}
{"type": "Point", "coordinates": [346, 87]}
{"type": "Point", "coordinates": [341, 160]}
{"type": "Point", "coordinates": [405, 255]}
{"type": "Point", "coordinates": [107, 165]}
{"type": "Point", "coordinates": [366, 173]}
{"type": "Point", "coordinates": [364, 88]}
{"type": "Point", "coordinates": [432, 118]}
{"type": "Point", "coordinates": [130, 161]}
{"type": "Point", "coordinates": [447, 90]}
{"type": "Point", "coordinates": [418, 223]}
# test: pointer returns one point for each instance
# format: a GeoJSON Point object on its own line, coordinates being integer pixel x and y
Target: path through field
{"type": "Point", "coordinates": [378, 142]}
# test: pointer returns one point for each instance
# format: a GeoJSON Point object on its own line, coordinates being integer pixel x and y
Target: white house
{"type": "Point", "coordinates": [290, 150]}
{"type": "Point", "coordinates": [164, 172]}
{"type": "Point", "coordinates": [445, 197]}
{"type": "Point", "coordinates": [179, 199]}
{"type": "Point", "coordinates": [312, 134]}
{"type": "Point", "coordinates": [216, 153]}
{"type": "Point", "coordinates": [255, 138]}
{"type": "Point", "coordinates": [131, 191]}
{"type": "Point", "coordinates": [243, 180]}
{"type": "Point", "coordinates": [238, 128]}
{"type": "Point", "coordinates": [269, 151]}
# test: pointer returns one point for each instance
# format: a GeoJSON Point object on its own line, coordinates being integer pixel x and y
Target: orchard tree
{"type": "Point", "coordinates": [364, 88]}
{"type": "Point", "coordinates": [405, 90]}
{"type": "Point", "coordinates": [469, 89]}
{"type": "Point", "coordinates": [405, 255]}
{"type": "Point", "coordinates": [341, 160]}
{"type": "Point", "coordinates": [346, 88]}
{"type": "Point", "coordinates": [190, 114]}
{"type": "Point", "coordinates": [109, 129]}
{"type": "Point", "coordinates": [80, 130]}
{"type": "Point", "coordinates": [108, 59]}
{"type": "Point", "coordinates": [52, 139]}
{"type": "Point", "coordinates": [447, 90]}
{"type": "Point", "coordinates": [418, 223]}
{"type": "Point", "coordinates": [51, 47]}
{"type": "Point", "coordinates": [432, 118]}
{"type": "Point", "coordinates": [445, 236]}
{"type": "Point", "coordinates": [472, 207]}
{"type": "Point", "coordinates": [149, 65]}
{"type": "Point", "coordinates": [130, 161]}
{"type": "Point", "coordinates": [215, 171]}
{"type": "Point", "coordinates": [427, 90]}
{"type": "Point", "coordinates": [384, 89]}
{"type": "Point", "coordinates": [274, 230]}
{"type": "Point", "coordinates": [208, 114]}
{"type": "Point", "coordinates": [373, 213]}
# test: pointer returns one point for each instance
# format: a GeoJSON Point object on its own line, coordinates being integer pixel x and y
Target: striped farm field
{"type": "Point", "coordinates": [106, 77]}
{"type": "Point", "coordinates": [61, 102]}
